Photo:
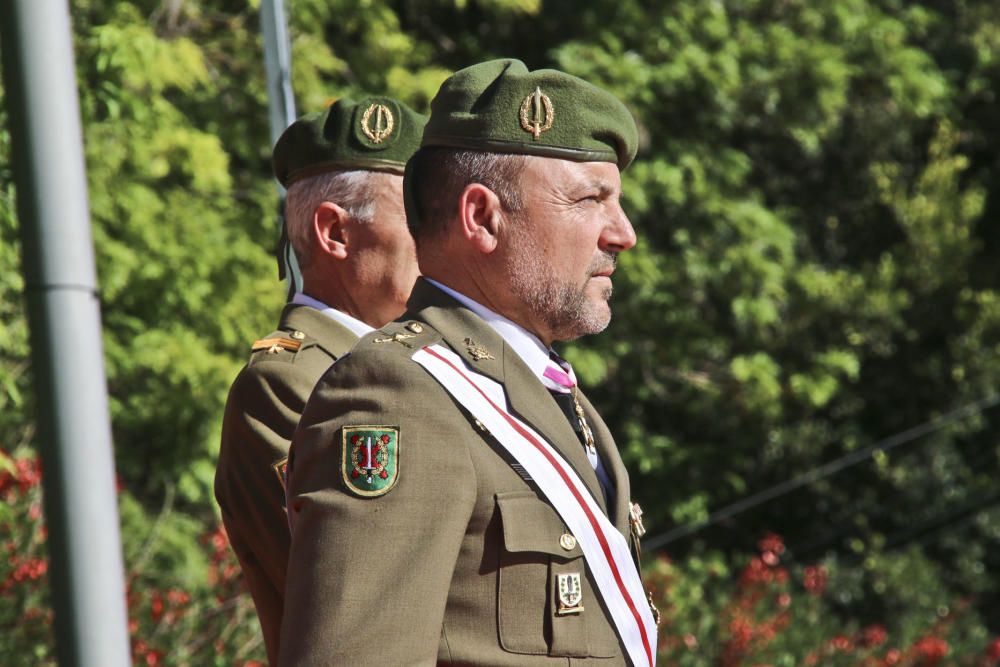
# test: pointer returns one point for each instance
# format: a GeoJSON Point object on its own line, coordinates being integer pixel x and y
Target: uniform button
{"type": "Point", "coordinates": [567, 542]}
{"type": "Point", "coordinates": [415, 327]}
{"type": "Point", "coordinates": [297, 335]}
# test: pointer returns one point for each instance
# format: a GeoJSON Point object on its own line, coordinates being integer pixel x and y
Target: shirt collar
{"type": "Point", "coordinates": [527, 346]}
{"type": "Point", "coordinates": [355, 326]}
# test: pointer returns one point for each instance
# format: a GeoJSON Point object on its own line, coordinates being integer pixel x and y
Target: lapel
{"type": "Point", "coordinates": [320, 330]}
{"type": "Point", "coordinates": [464, 331]}
{"type": "Point", "coordinates": [612, 459]}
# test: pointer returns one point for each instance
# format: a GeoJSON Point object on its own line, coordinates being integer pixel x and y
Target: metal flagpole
{"type": "Point", "coordinates": [87, 577]}
{"type": "Point", "coordinates": [281, 107]}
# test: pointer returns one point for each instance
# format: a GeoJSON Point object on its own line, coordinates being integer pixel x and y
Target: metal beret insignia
{"type": "Point", "coordinates": [536, 113]}
{"type": "Point", "coordinates": [377, 122]}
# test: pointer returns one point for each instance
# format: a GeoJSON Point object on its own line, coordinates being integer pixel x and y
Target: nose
{"type": "Point", "coordinates": [618, 234]}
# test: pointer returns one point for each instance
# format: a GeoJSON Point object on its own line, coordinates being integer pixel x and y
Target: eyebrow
{"type": "Point", "coordinates": [602, 187]}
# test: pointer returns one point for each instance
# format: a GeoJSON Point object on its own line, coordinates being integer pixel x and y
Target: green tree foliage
{"type": "Point", "coordinates": [816, 271]}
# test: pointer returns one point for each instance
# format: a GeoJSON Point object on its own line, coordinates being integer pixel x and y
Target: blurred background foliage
{"type": "Point", "coordinates": [817, 270]}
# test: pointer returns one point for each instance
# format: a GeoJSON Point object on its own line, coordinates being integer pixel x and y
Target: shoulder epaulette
{"type": "Point", "coordinates": [274, 345]}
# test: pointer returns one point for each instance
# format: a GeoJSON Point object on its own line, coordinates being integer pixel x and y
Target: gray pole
{"type": "Point", "coordinates": [87, 577]}
{"type": "Point", "coordinates": [280, 102]}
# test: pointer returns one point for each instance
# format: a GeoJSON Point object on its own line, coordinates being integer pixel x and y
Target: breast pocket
{"type": "Point", "coordinates": [546, 604]}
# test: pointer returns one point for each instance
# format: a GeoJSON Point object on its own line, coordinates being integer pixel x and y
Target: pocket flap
{"type": "Point", "coordinates": [531, 524]}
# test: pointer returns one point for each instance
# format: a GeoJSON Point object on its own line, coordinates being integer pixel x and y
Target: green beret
{"type": "Point", "coordinates": [501, 107]}
{"type": "Point", "coordinates": [376, 133]}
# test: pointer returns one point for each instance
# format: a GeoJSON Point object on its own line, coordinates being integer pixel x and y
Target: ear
{"type": "Point", "coordinates": [330, 228]}
{"type": "Point", "coordinates": [480, 216]}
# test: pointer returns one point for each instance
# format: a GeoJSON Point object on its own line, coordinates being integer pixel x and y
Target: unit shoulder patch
{"type": "Point", "coordinates": [370, 459]}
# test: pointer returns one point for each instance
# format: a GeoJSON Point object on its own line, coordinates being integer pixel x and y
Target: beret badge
{"type": "Point", "coordinates": [379, 128]}
{"type": "Point", "coordinates": [536, 113]}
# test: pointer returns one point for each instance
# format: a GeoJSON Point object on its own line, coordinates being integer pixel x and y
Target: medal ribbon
{"type": "Point", "coordinates": [604, 548]}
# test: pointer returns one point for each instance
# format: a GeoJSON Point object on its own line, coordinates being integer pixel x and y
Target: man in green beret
{"type": "Point", "coordinates": [343, 169]}
{"type": "Point", "coordinates": [454, 498]}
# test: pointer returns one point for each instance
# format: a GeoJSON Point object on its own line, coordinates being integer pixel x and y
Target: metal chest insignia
{"type": "Point", "coordinates": [370, 461]}
{"type": "Point", "coordinates": [570, 593]}
{"type": "Point", "coordinates": [635, 520]}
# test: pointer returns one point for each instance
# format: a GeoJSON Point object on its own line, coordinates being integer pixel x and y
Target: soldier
{"type": "Point", "coordinates": [345, 221]}
{"type": "Point", "coordinates": [454, 498]}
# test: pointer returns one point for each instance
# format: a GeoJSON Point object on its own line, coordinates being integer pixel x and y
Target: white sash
{"type": "Point", "coordinates": [605, 549]}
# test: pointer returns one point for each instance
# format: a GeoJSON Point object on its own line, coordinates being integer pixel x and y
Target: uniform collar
{"type": "Point", "coordinates": [355, 326]}
{"type": "Point", "coordinates": [527, 346]}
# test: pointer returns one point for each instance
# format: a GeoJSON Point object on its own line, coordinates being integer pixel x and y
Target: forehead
{"type": "Point", "coordinates": [567, 176]}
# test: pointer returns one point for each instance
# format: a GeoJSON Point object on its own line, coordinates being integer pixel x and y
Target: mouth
{"type": "Point", "coordinates": [604, 265]}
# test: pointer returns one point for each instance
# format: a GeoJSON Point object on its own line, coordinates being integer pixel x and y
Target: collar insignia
{"type": "Point", "coordinates": [477, 352]}
{"type": "Point", "coordinates": [395, 338]}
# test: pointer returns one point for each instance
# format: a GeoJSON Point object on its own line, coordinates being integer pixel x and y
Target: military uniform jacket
{"type": "Point", "coordinates": [263, 409]}
{"type": "Point", "coordinates": [457, 562]}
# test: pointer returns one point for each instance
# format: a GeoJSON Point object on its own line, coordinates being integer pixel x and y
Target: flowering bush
{"type": "Point", "coordinates": [767, 613]}
{"type": "Point", "coordinates": [181, 611]}
{"type": "Point", "coordinates": [187, 604]}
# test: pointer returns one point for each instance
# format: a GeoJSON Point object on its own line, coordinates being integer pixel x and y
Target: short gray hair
{"type": "Point", "coordinates": [440, 174]}
{"type": "Point", "coordinates": [351, 190]}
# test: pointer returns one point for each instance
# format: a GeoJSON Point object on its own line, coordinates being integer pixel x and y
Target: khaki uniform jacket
{"type": "Point", "coordinates": [263, 409]}
{"type": "Point", "coordinates": [456, 563]}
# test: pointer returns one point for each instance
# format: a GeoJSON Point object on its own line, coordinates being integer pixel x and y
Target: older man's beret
{"type": "Point", "coordinates": [376, 133]}
{"type": "Point", "coordinates": [500, 107]}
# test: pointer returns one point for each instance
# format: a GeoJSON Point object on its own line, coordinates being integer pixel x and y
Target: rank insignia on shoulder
{"type": "Point", "coordinates": [370, 461]}
{"type": "Point", "coordinates": [275, 345]}
{"type": "Point", "coordinates": [280, 468]}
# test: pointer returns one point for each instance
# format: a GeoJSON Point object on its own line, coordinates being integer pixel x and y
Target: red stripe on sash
{"type": "Point", "coordinates": [576, 494]}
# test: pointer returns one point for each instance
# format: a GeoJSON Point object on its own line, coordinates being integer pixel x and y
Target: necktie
{"type": "Point", "coordinates": [559, 378]}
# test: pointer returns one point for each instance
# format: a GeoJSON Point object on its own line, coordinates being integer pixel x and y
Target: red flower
{"type": "Point", "coordinates": [874, 635]}
{"type": "Point", "coordinates": [815, 579]}
{"type": "Point", "coordinates": [841, 643]}
{"type": "Point", "coordinates": [772, 542]}
{"type": "Point", "coordinates": [932, 649]}
{"type": "Point", "coordinates": [993, 650]}
{"type": "Point", "coordinates": [156, 607]}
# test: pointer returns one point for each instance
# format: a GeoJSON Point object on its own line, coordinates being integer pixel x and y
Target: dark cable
{"type": "Point", "coordinates": [820, 472]}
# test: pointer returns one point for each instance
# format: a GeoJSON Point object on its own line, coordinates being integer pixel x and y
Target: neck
{"type": "Point", "coordinates": [490, 291]}
{"type": "Point", "coordinates": [335, 296]}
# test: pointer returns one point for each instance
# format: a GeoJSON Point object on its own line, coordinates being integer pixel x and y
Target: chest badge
{"type": "Point", "coordinates": [370, 461]}
{"type": "Point", "coordinates": [570, 591]}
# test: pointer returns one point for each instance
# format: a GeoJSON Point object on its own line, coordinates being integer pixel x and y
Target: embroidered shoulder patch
{"type": "Point", "coordinates": [370, 461]}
